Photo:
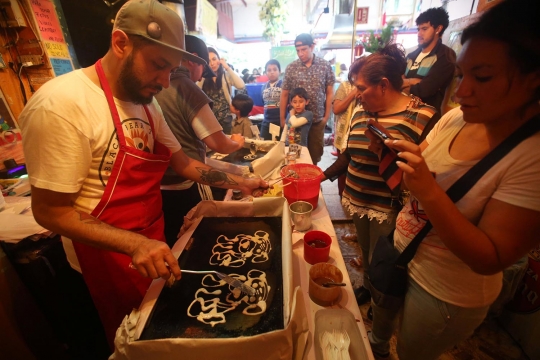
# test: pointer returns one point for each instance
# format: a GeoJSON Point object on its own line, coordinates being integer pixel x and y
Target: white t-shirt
{"type": "Point", "coordinates": [69, 139]}
{"type": "Point", "coordinates": [418, 60]}
{"type": "Point", "coordinates": [513, 180]}
{"type": "Point", "coordinates": [205, 127]}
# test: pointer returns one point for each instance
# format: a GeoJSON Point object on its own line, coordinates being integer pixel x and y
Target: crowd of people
{"type": "Point", "coordinates": [304, 88]}
{"type": "Point", "coordinates": [134, 129]}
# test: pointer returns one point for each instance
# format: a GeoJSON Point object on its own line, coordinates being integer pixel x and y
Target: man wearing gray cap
{"type": "Point", "coordinates": [96, 147]}
{"type": "Point", "coordinates": [187, 112]}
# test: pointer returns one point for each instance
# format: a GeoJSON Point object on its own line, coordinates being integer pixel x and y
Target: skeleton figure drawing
{"type": "Point", "coordinates": [216, 298]}
{"type": "Point", "coordinates": [237, 251]}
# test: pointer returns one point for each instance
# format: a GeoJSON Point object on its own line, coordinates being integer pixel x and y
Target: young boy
{"type": "Point", "coordinates": [299, 120]}
{"type": "Point", "coordinates": [241, 106]}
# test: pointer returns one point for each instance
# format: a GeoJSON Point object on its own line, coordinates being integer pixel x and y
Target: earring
{"type": "Point", "coordinates": [383, 90]}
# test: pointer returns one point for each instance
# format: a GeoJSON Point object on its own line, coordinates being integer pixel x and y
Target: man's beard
{"type": "Point", "coordinates": [130, 83]}
{"type": "Point", "coordinates": [426, 44]}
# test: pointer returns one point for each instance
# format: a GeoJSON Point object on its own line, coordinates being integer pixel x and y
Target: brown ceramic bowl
{"type": "Point", "coordinates": [319, 274]}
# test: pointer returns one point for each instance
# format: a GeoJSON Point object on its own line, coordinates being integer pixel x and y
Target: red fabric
{"type": "Point", "coordinates": [257, 110]}
{"type": "Point", "coordinates": [131, 201]}
{"type": "Point", "coordinates": [262, 79]}
{"type": "Point", "coordinates": [389, 170]}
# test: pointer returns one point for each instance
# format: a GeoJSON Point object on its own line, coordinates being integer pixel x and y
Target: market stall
{"type": "Point", "coordinates": [305, 318]}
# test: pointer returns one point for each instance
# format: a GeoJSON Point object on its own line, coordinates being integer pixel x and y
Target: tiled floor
{"type": "Point", "coordinates": [489, 342]}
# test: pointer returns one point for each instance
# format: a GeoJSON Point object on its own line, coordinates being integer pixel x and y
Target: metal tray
{"type": "Point", "coordinates": [237, 157]}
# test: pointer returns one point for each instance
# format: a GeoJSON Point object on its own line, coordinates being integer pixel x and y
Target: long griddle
{"type": "Point", "coordinates": [169, 318]}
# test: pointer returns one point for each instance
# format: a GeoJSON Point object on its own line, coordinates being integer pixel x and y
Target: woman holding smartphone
{"type": "Point", "coordinates": [378, 80]}
{"type": "Point", "coordinates": [456, 273]}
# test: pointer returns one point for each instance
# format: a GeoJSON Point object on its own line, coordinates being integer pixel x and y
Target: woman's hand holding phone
{"type": "Point", "coordinates": [376, 133]}
{"type": "Point", "coordinates": [416, 174]}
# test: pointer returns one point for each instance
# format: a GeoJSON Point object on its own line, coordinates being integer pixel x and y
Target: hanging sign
{"type": "Point", "coordinates": [53, 38]}
{"type": "Point", "coordinates": [362, 17]}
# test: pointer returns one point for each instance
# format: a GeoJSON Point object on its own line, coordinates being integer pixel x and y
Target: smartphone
{"type": "Point", "coordinates": [382, 136]}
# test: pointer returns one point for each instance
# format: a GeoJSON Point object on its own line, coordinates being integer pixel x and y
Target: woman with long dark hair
{"type": "Point", "coordinates": [219, 89]}
{"type": "Point", "coordinates": [456, 273]}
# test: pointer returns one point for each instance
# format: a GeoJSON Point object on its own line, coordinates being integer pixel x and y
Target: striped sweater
{"type": "Point", "coordinates": [365, 192]}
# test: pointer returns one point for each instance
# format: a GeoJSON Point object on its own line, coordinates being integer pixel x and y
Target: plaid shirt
{"type": "Point", "coordinates": [315, 79]}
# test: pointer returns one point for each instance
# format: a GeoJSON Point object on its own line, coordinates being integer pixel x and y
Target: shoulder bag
{"type": "Point", "coordinates": [387, 272]}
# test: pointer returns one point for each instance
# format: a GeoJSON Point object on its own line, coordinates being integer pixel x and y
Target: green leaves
{"type": "Point", "coordinates": [374, 42]}
{"type": "Point", "coordinates": [274, 15]}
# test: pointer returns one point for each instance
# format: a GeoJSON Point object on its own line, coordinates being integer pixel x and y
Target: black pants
{"type": "Point", "coordinates": [176, 204]}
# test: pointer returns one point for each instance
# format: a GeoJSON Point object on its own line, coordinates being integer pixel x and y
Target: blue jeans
{"type": "Point", "coordinates": [428, 327]}
{"type": "Point", "coordinates": [368, 232]}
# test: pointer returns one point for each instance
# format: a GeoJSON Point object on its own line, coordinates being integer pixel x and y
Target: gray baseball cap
{"type": "Point", "coordinates": [156, 22]}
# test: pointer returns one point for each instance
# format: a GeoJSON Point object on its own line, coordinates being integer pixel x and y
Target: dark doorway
{"type": "Point", "coordinates": [90, 25]}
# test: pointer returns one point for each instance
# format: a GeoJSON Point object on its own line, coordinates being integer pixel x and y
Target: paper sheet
{"type": "Point", "coordinates": [266, 165]}
{"type": "Point", "coordinates": [286, 344]}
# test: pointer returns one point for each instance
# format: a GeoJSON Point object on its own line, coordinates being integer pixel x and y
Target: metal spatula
{"type": "Point", "coordinates": [237, 284]}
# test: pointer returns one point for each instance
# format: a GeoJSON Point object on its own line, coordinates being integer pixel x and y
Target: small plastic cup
{"type": "Point", "coordinates": [317, 246]}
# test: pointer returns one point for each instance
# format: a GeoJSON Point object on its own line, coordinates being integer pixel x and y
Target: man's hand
{"type": "Point", "coordinates": [254, 186]}
{"type": "Point", "coordinates": [325, 120]}
{"type": "Point", "coordinates": [239, 139]}
{"type": "Point", "coordinates": [292, 112]}
{"type": "Point", "coordinates": [154, 259]}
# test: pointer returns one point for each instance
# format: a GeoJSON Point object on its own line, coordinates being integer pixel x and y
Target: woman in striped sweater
{"type": "Point", "coordinates": [378, 79]}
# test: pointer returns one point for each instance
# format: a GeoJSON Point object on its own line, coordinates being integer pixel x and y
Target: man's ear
{"type": "Point", "coordinates": [438, 30]}
{"type": "Point", "coordinates": [120, 43]}
{"type": "Point", "coordinates": [307, 102]}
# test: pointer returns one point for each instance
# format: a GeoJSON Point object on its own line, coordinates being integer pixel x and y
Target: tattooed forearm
{"type": "Point", "coordinates": [215, 178]}
{"type": "Point", "coordinates": [87, 218]}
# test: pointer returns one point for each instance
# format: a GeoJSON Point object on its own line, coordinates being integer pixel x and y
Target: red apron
{"type": "Point", "coordinates": [131, 201]}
